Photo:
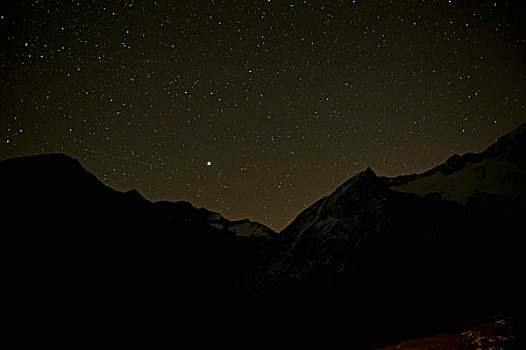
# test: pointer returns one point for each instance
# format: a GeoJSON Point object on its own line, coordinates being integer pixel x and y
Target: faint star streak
{"type": "Point", "coordinates": [108, 155]}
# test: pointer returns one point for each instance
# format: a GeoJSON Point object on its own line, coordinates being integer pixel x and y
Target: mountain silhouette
{"type": "Point", "coordinates": [378, 261]}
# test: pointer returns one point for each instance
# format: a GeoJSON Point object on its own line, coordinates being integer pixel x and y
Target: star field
{"type": "Point", "coordinates": [256, 109]}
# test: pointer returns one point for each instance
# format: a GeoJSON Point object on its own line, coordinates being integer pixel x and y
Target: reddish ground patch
{"type": "Point", "coordinates": [499, 334]}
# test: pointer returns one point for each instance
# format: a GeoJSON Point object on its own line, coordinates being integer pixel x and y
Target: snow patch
{"type": "Point", "coordinates": [217, 226]}
{"type": "Point", "coordinates": [247, 229]}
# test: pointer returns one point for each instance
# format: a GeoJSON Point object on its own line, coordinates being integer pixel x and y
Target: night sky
{"type": "Point", "coordinates": [256, 109]}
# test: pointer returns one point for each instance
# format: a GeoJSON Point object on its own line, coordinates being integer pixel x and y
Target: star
{"type": "Point", "coordinates": [317, 90]}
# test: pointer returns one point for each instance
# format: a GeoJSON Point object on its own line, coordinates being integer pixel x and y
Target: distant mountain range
{"type": "Point", "coordinates": [378, 261]}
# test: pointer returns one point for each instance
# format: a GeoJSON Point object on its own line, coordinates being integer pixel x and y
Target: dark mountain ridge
{"type": "Point", "coordinates": [378, 261]}
{"type": "Point", "coordinates": [77, 249]}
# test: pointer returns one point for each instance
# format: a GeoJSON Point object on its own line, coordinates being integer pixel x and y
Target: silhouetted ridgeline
{"type": "Point", "coordinates": [378, 261]}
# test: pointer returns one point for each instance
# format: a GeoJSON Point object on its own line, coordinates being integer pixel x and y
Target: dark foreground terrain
{"type": "Point", "coordinates": [429, 256]}
{"type": "Point", "coordinates": [499, 333]}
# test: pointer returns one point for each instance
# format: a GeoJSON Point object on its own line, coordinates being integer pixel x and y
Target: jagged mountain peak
{"type": "Point", "coordinates": [369, 172]}
{"type": "Point", "coordinates": [365, 177]}
{"type": "Point", "coordinates": [325, 233]}
{"type": "Point", "coordinates": [360, 182]}
{"type": "Point", "coordinates": [364, 187]}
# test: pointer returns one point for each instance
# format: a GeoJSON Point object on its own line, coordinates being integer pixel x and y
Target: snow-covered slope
{"type": "Point", "coordinates": [241, 228]}
{"type": "Point", "coordinates": [499, 170]}
{"type": "Point", "coordinates": [492, 176]}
